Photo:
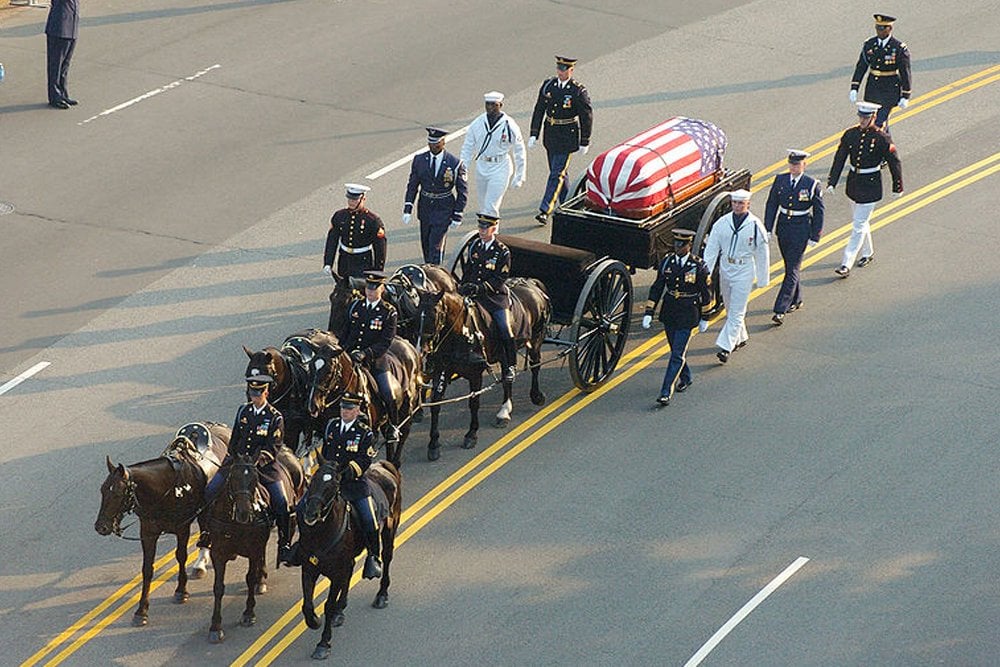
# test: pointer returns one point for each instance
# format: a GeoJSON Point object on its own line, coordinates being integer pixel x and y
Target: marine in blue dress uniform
{"type": "Point", "coordinates": [442, 182]}
{"type": "Point", "coordinates": [61, 31]}
{"type": "Point", "coordinates": [563, 107]}
{"type": "Point", "coordinates": [357, 235]}
{"type": "Point", "coordinates": [484, 279]}
{"type": "Point", "coordinates": [684, 282]}
{"type": "Point", "coordinates": [887, 62]}
{"type": "Point", "coordinates": [795, 209]}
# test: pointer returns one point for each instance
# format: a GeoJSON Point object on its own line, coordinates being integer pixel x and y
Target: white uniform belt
{"type": "Point", "coordinates": [680, 295]}
{"type": "Point", "coordinates": [891, 72]}
{"type": "Point", "coordinates": [494, 158]}
{"type": "Point", "coordinates": [784, 211]}
{"type": "Point", "coordinates": [435, 195]}
{"type": "Point", "coordinates": [354, 251]}
{"type": "Point", "coordinates": [865, 170]}
{"type": "Point", "coordinates": [561, 121]}
{"type": "Point", "coordinates": [738, 260]}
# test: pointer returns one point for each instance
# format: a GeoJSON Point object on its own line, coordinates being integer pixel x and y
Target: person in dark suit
{"type": "Point", "coordinates": [443, 184]}
{"type": "Point", "coordinates": [684, 282]}
{"type": "Point", "coordinates": [357, 235]}
{"type": "Point", "coordinates": [864, 147]}
{"type": "Point", "coordinates": [563, 105]}
{"type": "Point", "coordinates": [887, 62]}
{"type": "Point", "coordinates": [795, 203]}
{"type": "Point", "coordinates": [61, 31]}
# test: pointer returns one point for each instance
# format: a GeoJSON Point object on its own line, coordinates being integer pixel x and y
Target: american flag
{"type": "Point", "coordinates": [641, 172]}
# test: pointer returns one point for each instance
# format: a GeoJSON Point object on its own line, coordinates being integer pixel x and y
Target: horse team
{"type": "Point", "coordinates": [443, 336]}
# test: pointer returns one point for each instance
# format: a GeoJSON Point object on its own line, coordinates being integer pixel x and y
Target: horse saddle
{"type": "Point", "coordinates": [379, 498]}
{"type": "Point", "coordinates": [402, 290]}
{"type": "Point", "coordinates": [195, 443]}
{"type": "Point", "coordinates": [286, 470]}
{"type": "Point", "coordinates": [302, 346]}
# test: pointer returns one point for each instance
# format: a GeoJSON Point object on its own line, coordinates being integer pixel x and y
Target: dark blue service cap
{"type": "Point", "coordinates": [435, 134]}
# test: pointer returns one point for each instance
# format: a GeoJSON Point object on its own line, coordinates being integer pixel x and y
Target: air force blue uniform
{"type": "Point", "coordinates": [441, 202]}
{"type": "Point", "coordinates": [798, 213]}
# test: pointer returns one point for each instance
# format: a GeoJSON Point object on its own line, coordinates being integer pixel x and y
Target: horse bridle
{"type": "Point", "coordinates": [327, 383]}
{"type": "Point", "coordinates": [436, 340]}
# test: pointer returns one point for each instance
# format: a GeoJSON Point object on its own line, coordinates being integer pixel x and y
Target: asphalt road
{"type": "Point", "coordinates": [148, 244]}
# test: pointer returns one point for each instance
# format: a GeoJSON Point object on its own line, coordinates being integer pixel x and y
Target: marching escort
{"type": "Point", "coordinates": [357, 234]}
{"type": "Point", "coordinates": [887, 62]}
{"type": "Point", "coordinates": [441, 179]}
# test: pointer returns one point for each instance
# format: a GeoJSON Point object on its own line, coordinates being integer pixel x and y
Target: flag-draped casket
{"type": "Point", "coordinates": [656, 169]}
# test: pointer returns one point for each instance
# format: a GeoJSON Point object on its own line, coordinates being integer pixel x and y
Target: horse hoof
{"type": "Point", "coordinates": [248, 620]}
{"type": "Point", "coordinates": [181, 597]}
{"type": "Point", "coordinates": [261, 588]}
{"type": "Point", "coordinates": [337, 619]}
{"type": "Point", "coordinates": [381, 601]}
{"type": "Point", "coordinates": [502, 422]}
{"type": "Point", "coordinates": [433, 453]}
{"type": "Point", "coordinates": [197, 573]}
{"type": "Point", "coordinates": [538, 399]}
{"type": "Point", "coordinates": [470, 442]}
{"type": "Point", "coordinates": [312, 620]}
{"type": "Point", "coordinates": [139, 620]}
{"type": "Point", "coordinates": [321, 653]}
{"type": "Point", "coordinates": [216, 636]}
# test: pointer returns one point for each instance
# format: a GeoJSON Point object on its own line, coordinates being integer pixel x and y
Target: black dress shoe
{"type": "Point", "coordinates": [663, 400]}
{"type": "Point", "coordinates": [794, 306]}
{"type": "Point", "coordinates": [682, 386]}
{"type": "Point", "coordinates": [843, 271]}
{"type": "Point", "coordinates": [59, 104]}
{"type": "Point", "coordinates": [865, 261]}
{"type": "Point", "coordinates": [778, 319]}
{"type": "Point", "coordinates": [723, 355]}
{"type": "Point", "coordinates": [70, 101]}
{"type": "Point", "coordinates": [542, 219]}
{"type": "Point", "coordinates": [743, 344]}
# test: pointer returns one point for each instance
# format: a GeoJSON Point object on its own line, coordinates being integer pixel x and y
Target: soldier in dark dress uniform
{"type": "Point", "coordinates": [368, 333]}
{"type": "Point", "coordinates": [443, 184]}
{"type": "Point", "coordinates": [867, 147]}
{"type": "Point", "coordinates": [258, 427]}
{"type": "Point", "coordinates": [563, 106]}
{"type": "Point", "coordinates": [684, 282]}
{"type": "Point", "coordinates": [359, 236]}
{"type": "Point", "coordinates": [484, 277]}
{"type": "Point", "coordinates": [61, 30]}
{"type": "Point", "coordinates": [795, 204]}
{"type": "Point", "coordinates": [887, 62]}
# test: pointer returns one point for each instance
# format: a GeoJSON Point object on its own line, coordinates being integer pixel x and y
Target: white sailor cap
{"type": "Point", "coordinates": [354, 191]}
{"type": "Point", "coordinates": [867, 108]}
{"type": "Point", "coordinates": [796, 155]}
{"type": "Point", "coordinates": [740, 195]}
{"type": "Point", "coordinates": [493, 96]}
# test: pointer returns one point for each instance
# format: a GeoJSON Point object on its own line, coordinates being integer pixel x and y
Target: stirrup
{"type": "Point", "coordinates": [204, 540]}
{"type": "Point", "coordinates": [373, 567]}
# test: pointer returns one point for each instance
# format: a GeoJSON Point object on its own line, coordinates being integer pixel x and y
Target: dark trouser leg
{"type": "Point", "coordinates": [508, 346]}
{"type": "Point", "coordinates": [432, 238]}
{"type": "Point", "coordinates": [373, 563]}
{"type": "Point", "coordinates": [212, 490]}
{"type": "Point", "coordinates": [282, 518]}
{"type": "Point", "coordinates": [882, 117]}
{"type": "Point", "coordinates": [385, 392]}
{"type": "Point", "coordinates": [792, 242]}
{"type": "Point", "coordinates": [555, 187]}
{"type": "Point", "coordinates": [677, 366]}
{"type": "Point", "coordinates": [58, 52]}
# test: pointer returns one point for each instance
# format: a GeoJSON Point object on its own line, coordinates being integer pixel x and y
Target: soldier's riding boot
{"type": "Point", "coordinates": [373, 563]}
{"type": "Point", "coordinates": [509, 359]}
{"type": "Point", "coordinates": [285, 529]}
{"type": "Point", "coordinates": [205, 538]}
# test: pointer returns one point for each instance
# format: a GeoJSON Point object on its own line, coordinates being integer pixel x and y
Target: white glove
{"type": "Point", "coordinates": [584, 149]}
{"type": "Point", "coordinates": [768, 237]}
{"type": "Point", "coordinates": [531, 142]}
{"type": "Point", "coordinates": [407, 217]}
{"type": "Point", "coordinates": [904, 102]}
{"type": "Point", "coordinates": [646, 321]}
{"type": "Point", "coordinates": [853, 96]}
{"type": "Point", "coordinates": [811, 244]}
{"type": "Point", "coordinates": [829, 188]}
{"type": "Point", "coordinates": [702, 326]}
{"type": "Point", "coordinates": [328, 270]}
{"type": "Point", "coordinates": [456, 223]}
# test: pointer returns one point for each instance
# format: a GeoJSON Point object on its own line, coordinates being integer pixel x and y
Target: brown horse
{"type": "Point", "coordinates": [330, 542]}
{"type": "Point", "coordinates": [459, 340]}
{"type": "Point", "coordinates": [290, 366]}
{"type": "Point", "coordinates": [335, 372]}
{"type": "Point", "coordinates": [403, 291]}
{"type": "Point", "coordinates": [166, 494]}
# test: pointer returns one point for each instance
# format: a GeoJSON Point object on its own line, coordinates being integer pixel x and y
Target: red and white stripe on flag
{"type": "Point", "coordinates": [641, 172]}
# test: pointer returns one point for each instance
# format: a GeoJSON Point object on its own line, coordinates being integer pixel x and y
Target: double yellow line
{"type": "Point", "coordinates": [420, 513]}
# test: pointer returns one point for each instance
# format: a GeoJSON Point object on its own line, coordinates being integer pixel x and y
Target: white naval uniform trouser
{"type": "Point", "coordinates": [735, 284]}
{"type": "Point", "coordinates": [492, 179]}
{"type": "Point", "coordinates": [861, 234]}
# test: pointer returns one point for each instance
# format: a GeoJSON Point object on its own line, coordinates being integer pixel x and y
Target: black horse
{"type": "Point", "coordinates": [291, 368]}
{"type": "Point", "coordinates": [241, 525]}
{"type": "Point", "coordinates": [166, 494]}
{"type": "Point", "coordinates": [459, 340]}
{"type": "Point", "coordinates": [402, 290]}
{"type": "Point", "coordinates": [330, 542]}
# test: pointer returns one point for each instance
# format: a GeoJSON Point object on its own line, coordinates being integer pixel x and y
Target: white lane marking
{"type": "Point", "coordinates": [406, 160]}
{"type": "Point", "coordinates": [721, 633]}
{"type": "Point", "coordinates": [23, 376]}
{"type": "Point", "coordinates": [146, 96]}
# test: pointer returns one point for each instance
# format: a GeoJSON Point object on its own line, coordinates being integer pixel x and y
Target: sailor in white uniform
{"type": "Point", "coordinates": [490, 139]}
